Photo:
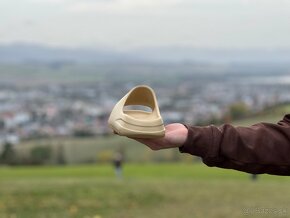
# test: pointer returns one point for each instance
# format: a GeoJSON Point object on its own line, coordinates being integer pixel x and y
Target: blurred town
{"type": "Point", "coordinates": [82, 109]}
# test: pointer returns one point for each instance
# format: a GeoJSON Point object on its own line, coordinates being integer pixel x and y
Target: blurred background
{"type": "Point", "coordinates": [65, 63]}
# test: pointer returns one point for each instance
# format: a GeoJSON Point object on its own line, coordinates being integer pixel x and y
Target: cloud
{"type": "Point", "coordinates": [119, 6]}
{"type": "Point", "coordinates": [48, 1]}
{"type": "Point", "coordinates": [153, 6]}
{"type": "Point", "coordinates": [136, 6]}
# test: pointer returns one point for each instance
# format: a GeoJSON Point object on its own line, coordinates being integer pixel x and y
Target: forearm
{"type": "Point", "coordinates": [261, 148]}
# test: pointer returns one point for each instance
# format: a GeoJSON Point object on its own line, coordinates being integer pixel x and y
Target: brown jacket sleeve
{"type": "Point", "coordinates": [261, 148]}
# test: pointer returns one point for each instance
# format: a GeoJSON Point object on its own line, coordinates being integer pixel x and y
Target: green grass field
{"type": "Point", "coordinates": [164, 190]}
{"type": "Point", "coordinates": [173, 190]}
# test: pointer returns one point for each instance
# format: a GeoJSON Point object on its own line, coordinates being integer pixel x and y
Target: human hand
{"type": "Point", "coordinates": [175, 136]}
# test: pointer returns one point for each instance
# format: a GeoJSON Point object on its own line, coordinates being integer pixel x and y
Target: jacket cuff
{"type": "Point", "coordinates": [199, 141]}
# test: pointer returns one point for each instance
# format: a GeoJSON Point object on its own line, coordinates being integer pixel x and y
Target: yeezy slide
{"type": "Point", "coordinates": [137, 123]}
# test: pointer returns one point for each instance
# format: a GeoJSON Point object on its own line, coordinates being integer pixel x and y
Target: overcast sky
{"type": "Point", "coordinates": [127, 24]}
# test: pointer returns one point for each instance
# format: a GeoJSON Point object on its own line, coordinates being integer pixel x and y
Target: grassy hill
{"type": "Point", "coordinates": [146, 190]}
{"type": "Point", "coordinates": [101, 149]}
{"type": "Point", "coordinates": [164, 190]}
{"type": "Point", "coordinates": [269, 115]}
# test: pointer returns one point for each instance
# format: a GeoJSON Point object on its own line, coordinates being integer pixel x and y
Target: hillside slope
{"type": "Point", "coordinates": [102, 149]}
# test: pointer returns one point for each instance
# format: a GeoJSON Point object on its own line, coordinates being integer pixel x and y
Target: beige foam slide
{"type": "Point", "coordinates": [137, 123]}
